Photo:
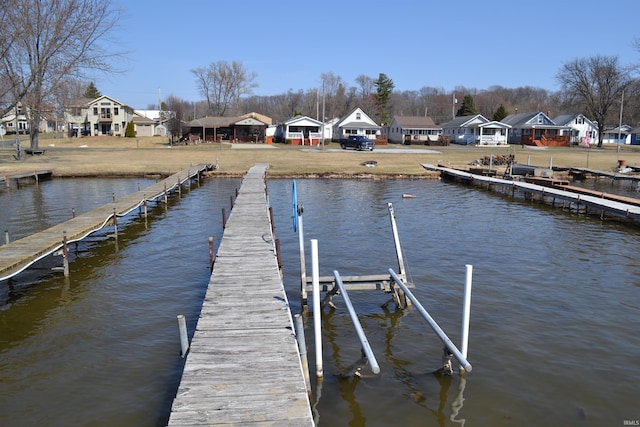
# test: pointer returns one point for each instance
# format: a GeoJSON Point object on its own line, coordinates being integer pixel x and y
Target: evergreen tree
{"type": "Point", "coordinates": [92, 91]}
{"type": "Point", "coordinates": [500, 113]}
{"type": "Point", "coordinates": [130, 131]}
{"type": "Point", "coordinates": [467, 108]}
{"type": "Point", "coordinates": [384, 87]}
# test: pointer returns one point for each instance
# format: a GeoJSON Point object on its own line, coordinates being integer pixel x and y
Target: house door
{"type": "Point", "coordinates": [105, 128]}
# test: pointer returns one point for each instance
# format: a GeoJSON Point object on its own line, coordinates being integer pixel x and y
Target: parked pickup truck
{"type": "Point", "coordinates": [358, 142]}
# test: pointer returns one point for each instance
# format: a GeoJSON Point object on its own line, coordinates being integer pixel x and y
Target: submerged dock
{"type": "Point", "coordinates": [243, 366]}
{"type": "Point", "coordinates": [16, 256]}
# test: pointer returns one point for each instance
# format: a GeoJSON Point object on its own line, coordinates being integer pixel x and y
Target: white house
{"type": "Point", "coordinates": [581, 130]}
{"type": "Point", "coordinates": [356, 123]}
{"type": "Point", "coordinates": [494, 133]}
{"type": "Point", "coordinates": [299, 130]}
{"type": "Point", "coordinates": [413, 129]}
{"type": "Point", "coordinates": [464, 129]}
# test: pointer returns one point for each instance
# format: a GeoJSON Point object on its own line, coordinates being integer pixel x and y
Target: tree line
{"type": "Point", "coordinates": [48, 48]}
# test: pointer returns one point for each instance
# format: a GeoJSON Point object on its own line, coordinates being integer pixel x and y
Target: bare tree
{"type": "Point", "coordinates": [54, 40]}
{"type": "Point", "coordinates": [177, 110]}
{"type": "Point", "coordinates": [597, 84]}
{"type": "Point", "coordinates": [222, 84]}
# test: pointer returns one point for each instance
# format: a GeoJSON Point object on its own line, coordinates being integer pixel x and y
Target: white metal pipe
{"type": "Point", "coordinates": [302, 348]}
{"type": "Point", "coordinates": [317, 313]}
{"type": "Point", "coordinates": [303, 270]}
{"type": "Point", "coordinates": [432, 323]}
{"type": "Point", "coordinates": [466, 311]}
{"type": "Point", "coordinates": [184, 339]}
{"type": "Point", "coordinates": [371, 358]}
{"type": "Point", "coordinates": [396, 240]}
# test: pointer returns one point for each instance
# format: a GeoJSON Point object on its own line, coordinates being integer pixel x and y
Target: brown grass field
{"type": "Point", "coordinates": [107, 156]}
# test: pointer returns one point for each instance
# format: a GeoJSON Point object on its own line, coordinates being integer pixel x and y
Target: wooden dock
{"type": "Point", "coordinates": [19, 178]}
{"type": "Point", "coordinates": [20, 254]}
{"type": "Point", "coordinates": [579, 201]}
{"type": "Point", "coordinates": [243, 366]}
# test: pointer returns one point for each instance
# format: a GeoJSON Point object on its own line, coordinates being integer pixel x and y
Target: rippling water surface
{"type": "Point", "coordinates": [555, 307]}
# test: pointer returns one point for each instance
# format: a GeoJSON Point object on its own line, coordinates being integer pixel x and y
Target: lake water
{"type": "Point", "coordinates": [554, 315]}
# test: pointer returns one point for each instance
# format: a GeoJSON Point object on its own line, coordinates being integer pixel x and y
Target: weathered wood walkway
{"type": "Point", "coordinates": [34, 176]}
{"type": "Point", "coordinates": [20, 254]}
{"type": "Point", "coordinates": [595, 204]}
{"type": "Point", "coordinates": [243, 367]}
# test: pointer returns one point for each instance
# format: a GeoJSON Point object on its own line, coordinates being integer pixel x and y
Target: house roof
{"type": "Point", "coordinates": [115, 101]}
{"type": "Point", "coordinates": [415, 122]}
{"type": "Point", "coordinates": [303, 119]}
{"type": "Point", "coordinates": [360, 125]}
{"type": "Point", "coordinates": [225, 121]}
{"type": "Point", "coordinates": [465, 121]}
{"type": "Point", "coordinates": [568, 119]}
{"type": "Point", "coordinates": [537, 120]}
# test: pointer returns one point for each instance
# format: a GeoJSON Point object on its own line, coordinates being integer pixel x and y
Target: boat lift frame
{"type": "Point", "coordinates": [381, 282]}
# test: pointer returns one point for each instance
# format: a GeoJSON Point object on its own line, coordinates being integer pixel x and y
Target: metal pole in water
{"type": "Point", "coordinates": [366, 348]}
{"type": "Point", "coordinates": [317, 313]}
{"type": "Point", "coordinates": [432, 323]}
{"type": "Point", "coordinates": [303, 269]}
{"type": "Point", "coordinates": [396, 239]}
{"type": "Point", "coordinates": [184, 338]}
{"type": "Point", "coordinates": [466, 312]}
{"type": "Point", "coordinates": [302, 348]}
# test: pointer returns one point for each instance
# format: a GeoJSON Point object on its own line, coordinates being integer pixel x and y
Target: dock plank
{"type": "Point", "coordinates": [243, 366]}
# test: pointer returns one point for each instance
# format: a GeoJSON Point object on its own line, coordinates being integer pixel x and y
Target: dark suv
{"type": "Point", "coordinates": [358, 142]}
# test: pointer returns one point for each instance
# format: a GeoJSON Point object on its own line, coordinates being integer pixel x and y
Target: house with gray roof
{"type": "Point", "coordinates": [580, 129]}
{"type": "Point", "coordinates": [535, 129]}
{"type": "Point", "coordinates": [413, 130]}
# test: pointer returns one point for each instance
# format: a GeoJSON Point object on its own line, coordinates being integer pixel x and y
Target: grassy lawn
{"type": "Point", "coordinates": [104, 156]}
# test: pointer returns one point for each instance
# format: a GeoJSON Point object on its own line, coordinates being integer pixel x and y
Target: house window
{"type": "Point", "coordinates": [358, 117]}
{"type": "Point", "coordinates": [116, 127]}
{"type": "Point", "coordinates": [115, 112]}
{"type": "Point", "coordinates": [105, 113]}
{"type": "Point", "coordinates": [95, 111]}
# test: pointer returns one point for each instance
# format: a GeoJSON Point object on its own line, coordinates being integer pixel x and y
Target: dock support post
{"type": "Point", "coordinates": [224, 219]}
{"type": "Point", "coordinates": [145, 205]}
{"type": "Point", "coordinates": [65, 254]}
{"type": "Point", "coordinates": [73, 212]}
{"type": "Point", "coordinates": [184, 338]}
{"type": "Point", "coordinates": [212, 253]}
{"type": "Point", "coordinates": [115, 223]}
{"type": "Point", "coordinates": [317, 313]}
{"type": "Point", "coordinates": [466, 312]}
{"type": "Point", "coordinates": [179, 188]}
{"type": "Point", "coordinates": [302, 348]}
{"type": "Point", "coordinates": [6, 237]}
{"type": "Point", "coordinates": [165, 193]}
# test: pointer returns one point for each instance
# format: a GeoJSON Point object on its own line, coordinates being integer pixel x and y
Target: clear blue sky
{"type": "Point", "coordinates": [289, 44]}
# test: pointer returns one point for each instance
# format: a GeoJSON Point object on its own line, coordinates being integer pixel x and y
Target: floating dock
{"type": "Point", "coordinates": [19, 178]}
{"type": "Point", "coordinates": [243, 367]}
